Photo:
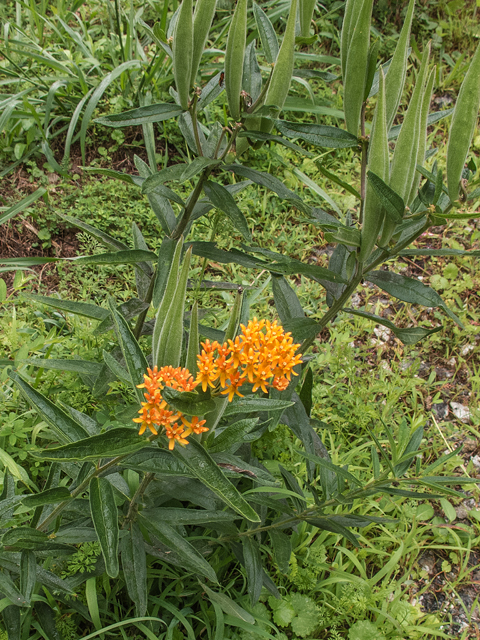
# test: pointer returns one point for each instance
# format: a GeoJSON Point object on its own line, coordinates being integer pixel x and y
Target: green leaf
{"type": "Point", "coordinates": [104, 514]}
{"type": "Point", "coordinates": [133, 355]}
{"type": "Point", "coordinates": [190, 557]}
{"type": "Point", "coordinates": [227, 605]}
{"type": "Point", "coordinates": [133, 256]}
{"type": "Point", "coordinates": [282, 549]}
{"type": "Point", "coordinates": [116, 442]}
{"type": "Point", "coordinates": [77, 366]}
{"type": "Point", "coordinates": [79, 308]}
{"type": "Point", "coordinates": [176, 516]}
{"type": "Point", "coordinates": [20, 206]}
{"type": "Point", "coordinates": [233, 434]}
{"type": "Point", "coordinates": [223, 200]}
{"type": "Point", "coordinates": [143, 115]}
{"type": "Point", "coordinates": [101, 236]}
{"type": "Point", "coordinates": [188, 402]}
{"type": "Point", "coordinates": [165, 258]}
{"type": "Point", "coordinates": [65, 427]}
{"type": "Point", "coordinates": [409, 290]}
{"type": "Point", "coordinates": [50, 496]}
{"type": "Point", "coordinates": [267, 33]}
{"type": "Point", "coordinates": [8, 588]}
{"type": "Point", "coordinates": [318, 135]}
{"type": "Point", "coordinates": [344, 235]}
{"type": "Point", "coordinates": [328, 524]}
{"type": "Point", "coordinates": [23, 536]}
{"type": "Point", "coordinates": [47, 618]}
{"type": "Point", "coordinates": [322, 462]}
{"type": "Point", "coordinates": [286, 301]}
{"type": "Point", "coordinates": [253, 567]}
{"type": "Point", "coordinates": [393, 203]}
{"type": "Point", "coordinates": [270, 182]}
{"type": "Point", "coordinates": [134, 565]}
{"type": "Point", "coordinates": [339, 181]}
{"type": "Point", "coordinates": [28, 574]}
{"type": "Point", "coordinates": [203, 467]}
{"type": "Point", "coordinates": [302, 328]}
{"type": "Point", "coordinates": [410, 335]}
{"type": "Point", "coordinates": [252, 404]}
{"type": "Point", "coordinates": [129, 310]}
{"type": "Point", "coordinates": [12, 622]}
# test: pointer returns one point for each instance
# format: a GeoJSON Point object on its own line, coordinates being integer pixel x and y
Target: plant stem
{"type": "Point", "coordinates": [193, 113]}
{"type": "Point", "coordinates": [187, 212]}
{"type": "Point", "coordinates": [138, 493]}
{"type": "Point", "coordinates": [137, 332]}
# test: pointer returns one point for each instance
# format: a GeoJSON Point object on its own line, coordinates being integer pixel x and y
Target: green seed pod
{"type": "Point", "coordinates": [193, 342]}
{"type": "Point", "coordinates": [378, 162]}
{"type": "Point", "coordinates": [397, 72]}
{"type": "Point", "coordinates": [463, 125]}
{"type": "Point", "coordinates": [404, 162]}
{"type": "Point", "coordinates": [422, 146]}
{"type": "Point", "coordinates": [307, 8]}
{"type": "Point", "coordinates": [171, 339]}
{"type": "Point", "coordinates": [183, 52]}
{"type": "Point", "coordinates": [234, 55]}
{"type": "Point", "coordinates": [352, 9]}
{"type": "Point", "coordinates": [357, 67]}
{"type": "Point", "coordinates": [202, 21]}
{"type": "Point", "coordinates": [283, 69]}
{"type": "Point", "coordinates": [166, 299]}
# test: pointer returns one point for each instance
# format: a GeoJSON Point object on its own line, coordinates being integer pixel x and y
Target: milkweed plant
{"type": "Point", "coordinates": [202, 396]}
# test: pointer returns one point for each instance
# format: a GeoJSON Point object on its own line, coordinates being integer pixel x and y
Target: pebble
{"type": "Point", "coordinates": [460, 411]}
{"type": "Point", "coordinates": [440, 410]}
{"type": "Point", "coordinates": [356, 300]}
{"type": "Point", "coordinates": [382, 333]}
{"type": "Point", "coordinates": [462, 513]}
{"type": "Point", "coordinates": [476, 461]}
{"type": "Point", "coordinates": [467, 349]}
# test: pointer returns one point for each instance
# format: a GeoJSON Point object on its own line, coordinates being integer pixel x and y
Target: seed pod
{"type": "Point", "coordinates": [378, 162]}
{"type": "Point", "coordinates": [171, 338]}
{"type": "Point", "coordinates": [352, 9]}
{"type": "Point", "coordinates": [463, 125]}
{"type": "Point", "coordinates": [283, 69]}
{"type": "Point", "coordinates": [202, 21]}
{"type": "Point", "coordinates": [307, 8]}
{"type": "Point", "coordinates": [422, 145]}
{"type": "Point", "coordinates": [183, 52]}
{"type": "Point", "coordinates": [166, 299]}
{"type": "Point", "coordinates": [356, 68]}
{"type": "Point", "coordinates": [234, 55]}
{"type": "Point", "coordinates": [193, 342]}
{"type": "Point", "coordinates": [397, 72]}
{"type": "Point", "coordinates": [404, 162]}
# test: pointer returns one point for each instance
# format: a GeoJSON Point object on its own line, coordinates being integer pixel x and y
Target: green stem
{"type": "Point", "coordinates": [138, 493]}
{"type": "Point", "coordinates": [193, 113]}
{"type": "Point", "coordinates": [137, 332]}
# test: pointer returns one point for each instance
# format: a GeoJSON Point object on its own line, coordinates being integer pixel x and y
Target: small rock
{"type": "Point", "coordinates": [460, 411]}
{"type": "Point", "coordinates": [469, 445]}
{"type": "Point", "coordinates": [452, 362]}
{"type": "Point", "coordinates": [467, 349]}
{"type": "Point", "coordinates": [356, 300]}
{"type": "Point", "coordinates": [440, 410]}
{"type": "Point", "coordinates": [405, 364]}
{"type": "Point", "coordinates": [462, 513]}
{"type": "Point", "coordinates": [385, 366]}
{"type": "Point", "coordinates": [476, 461]}
{"type": "Point", "coordinates": [382, 333]}
{"type": "Point", "coordinates": [443, 374]}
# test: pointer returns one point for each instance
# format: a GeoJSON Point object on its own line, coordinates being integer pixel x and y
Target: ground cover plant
{"type": "Point", "coordinates": [212, 412]}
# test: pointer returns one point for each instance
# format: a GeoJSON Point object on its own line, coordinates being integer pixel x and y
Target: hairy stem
{"type": "Point", "coordinates": [138, 494]}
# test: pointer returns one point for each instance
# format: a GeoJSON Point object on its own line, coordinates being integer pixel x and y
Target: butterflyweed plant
{"type": "Point", "coordinates": [193, 410]}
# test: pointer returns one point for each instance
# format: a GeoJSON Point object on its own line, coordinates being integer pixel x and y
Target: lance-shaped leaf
{"type": "Point", "coordinates": [253, 567]}
{"type": "Point", "coordinates": [303, 328]}
{"type": "Point", "coordinates": [116, 442]}
{"type": "Point", "coordinates": [28, 573]}
{"type": "Point", "coordinates": [227, 605]}
{"type": "Point", "coordinates": [252, 404]}
{"type": "Point", "coordinates": [159, 203]}
{"type": "Point", "coordinates": [423, 132]}
{"type": "Point", "coordinates": [50, 496]}
{"type": "Point", "coordinates": [8, 588]}
{"type": "Point", "coordinates": [190, 557]}
{"type": "Point", "coordinates": [64, 426]}
{"type": "Point", "coordinates": [203, 467]}
{"type": "Point", "coordinates": [77, 366]}
{"type": "Point", "coordinates": [134, 565]}
{"type": "Point", "coordinates": [177, 516]}
{"type": "Point", "coordinates": [78, 308]}
{"type": "Point", "coordinates": [193, 342]}
{"type": "Point", "coordinates": [318, 135]}
{"type": "Point", "coordinates": [282, 549]}
{"type": "Point", "coordinates": [409, 290]}
{"type": "Point", "coordinates": [132, 353]}
{"type": "Point", "coordinates": [165, 261]}
{"type": "Point", "coordinates": [105, 520]}
{"type": "Point", "coordinates": [328, 524]}
{"type": "Point", "coordinates": [410, 335]}
{"type": "Point", "coordinates": [223, 200]}
{"type": "Point", "coordinates": [286, 301]}
{"type": "Point", "coordinates": [101, 236]}
{"type": "Point", "coordinates": [270, 182]}
{"type": "Point", "coordinates": [388, 198]}
{"type": "Point", "coordinates": [23, 204]}
{"type": "Point", "coordinates": [233, 435]}
{"type": "Point", "coordinates": [397, 70]}
{"type": "Point", "coordinates": [143, 115]}
{"type": "Point", "coordinates": [133, 256]}
{"type": "Point", "coordinates": [267, 33]}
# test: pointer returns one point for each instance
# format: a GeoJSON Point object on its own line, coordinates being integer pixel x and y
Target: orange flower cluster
{"type": "Point", "coordinates": [262, 355]}
{"type": "Point", "coordinates": [156, 412]}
